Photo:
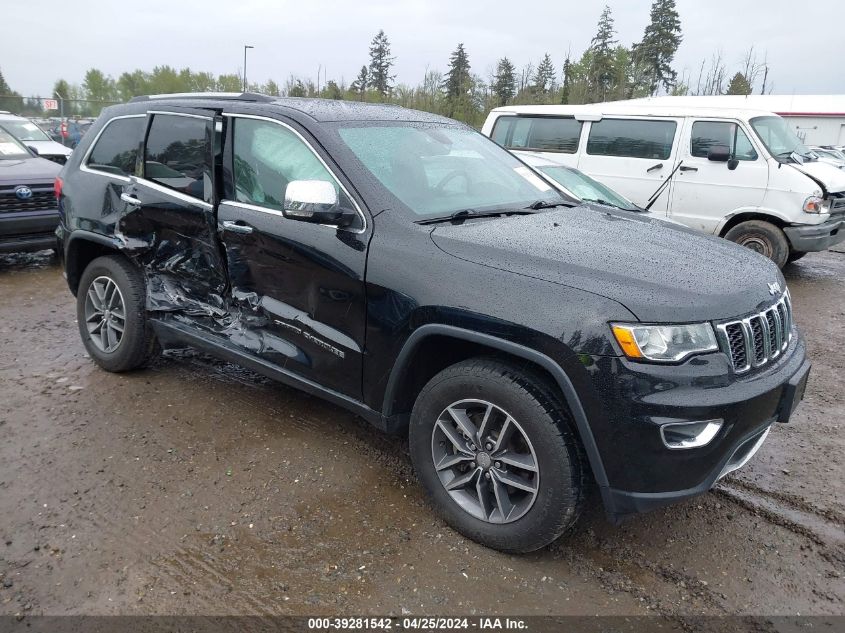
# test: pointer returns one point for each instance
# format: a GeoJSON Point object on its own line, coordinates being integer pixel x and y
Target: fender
{"type": "Point", "coordinates": [563, 381]}
{"type": "Point", "coordinates": [754, 212]}
{"type": "Point", "coordinates": [76, 237]}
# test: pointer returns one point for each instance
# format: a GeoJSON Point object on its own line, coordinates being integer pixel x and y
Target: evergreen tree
{"type": "Point", "coordinates": [544, 77]}
{"type": "Point", "coordinates": [567, 81]}
{"type": "Point", "coordinates": [272, 88]}
{"type": "Point", "coordinates": [457, 82]}
{"type": "Point", "coordinates": [380, 78]}
{"type": "Point", "coordinates": [9, 99]}
{"type": "Point", "coordinates": [601, 70]}
{"type": "Point", "coordinates": [458, 85]}
{"type": "Point", "coordinates": [658, 47]}
{"type": "Point", "coordinates": [739, 85]}
{"type": "Point", "coordinates": [359, 86]}
{"type": "Point", "coordinates": [504, 82]}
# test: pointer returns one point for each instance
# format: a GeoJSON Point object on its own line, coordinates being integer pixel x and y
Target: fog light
{"type": "Point", "coordinates": [690, 434]}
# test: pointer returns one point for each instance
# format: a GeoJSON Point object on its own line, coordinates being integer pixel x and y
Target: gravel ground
{"type": "Point", "coordinates": [196, 487]}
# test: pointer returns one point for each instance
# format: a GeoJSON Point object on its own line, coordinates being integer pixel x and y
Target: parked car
{"type": "Point", "coordinates": [578, 185]}
{"type": "Point", "coordinates": [829, 155]}
{"type": "Point", "coordinates": [403, 266]}
{"type": "Point", "coordinates": [28, 209]}
{"type": "Point", "coordinates": [738, 174]}
{"type": "Point", "coordinates": [34, 137]}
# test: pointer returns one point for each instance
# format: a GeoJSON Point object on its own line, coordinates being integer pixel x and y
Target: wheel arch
{"type": "Point", "coordinates": [745, 216]}
{"type": "Point", "coordinates": [82, 248]}
{"type": "Point", "coordinates": [403, 385]}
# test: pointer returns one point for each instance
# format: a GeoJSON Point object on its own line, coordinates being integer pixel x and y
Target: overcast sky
{"type": "Point", "coordinates": [43, 40]}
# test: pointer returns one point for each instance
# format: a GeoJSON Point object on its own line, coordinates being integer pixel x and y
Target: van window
{"type": "Point", "coordinates": [707, 134]}
{"type": "Point", "coordinates": [178, 154]}
{"type": "Point", "coordinates": [632, 138]}
{"type": "Point", "coordinates": [117, 147]}
{"type": "Point", "coordinates": [545, 134]}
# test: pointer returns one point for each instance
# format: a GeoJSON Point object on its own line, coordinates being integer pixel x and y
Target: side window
{"type": "Point", "coordinates": [632, 138]}
{"type": "Point", "coordinates": [547, 134]}
{"type": "Point", "coordinates": [178, 154]}
{"type": "Point", "coordinates": [707, 134]}
{"type": "Point", "coordinates": [267, 157]}
{"type": "Point", "coordinates": [117, 148]}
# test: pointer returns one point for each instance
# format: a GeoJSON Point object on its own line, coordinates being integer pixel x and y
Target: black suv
{"type": "Point", "coordinates": [403, 266]}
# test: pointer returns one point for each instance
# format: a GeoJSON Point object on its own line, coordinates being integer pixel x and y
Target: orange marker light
{"type": "Point", "coordinates": [626, 341]}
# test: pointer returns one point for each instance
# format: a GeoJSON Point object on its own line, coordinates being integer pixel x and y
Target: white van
{"type": "Point", "coordinates": [740, 174]}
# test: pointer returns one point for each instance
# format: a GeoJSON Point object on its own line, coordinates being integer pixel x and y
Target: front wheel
{"type": "Point", "coordinates": [762, 237]}
{"type": "Point", "coordinates": [494, 448]}
{"type": "Point", "coordinates": [112, 317]}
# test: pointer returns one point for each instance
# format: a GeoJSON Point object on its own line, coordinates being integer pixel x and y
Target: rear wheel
{"type": "Point", "coordinates": [112, 317]}
{"type": "Point", "coordinates": [493, 446]}
{"type": "Point", "coordinates": [762, 237]}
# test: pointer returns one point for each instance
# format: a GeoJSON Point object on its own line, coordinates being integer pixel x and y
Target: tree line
{"type": "Point", "coordinates": [605, 71]}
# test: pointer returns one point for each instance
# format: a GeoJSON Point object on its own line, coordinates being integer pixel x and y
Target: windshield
{"type": "Point", "coordinates": [436, 170]}
{"type": "Point", "coordinates": [10, 147]}
{"type": "Point", "coordinates": [775, 134]}
{"type": "Point", "coordinates": [584, 187]}
{"type": "Point", "coordinates": [24, 130]}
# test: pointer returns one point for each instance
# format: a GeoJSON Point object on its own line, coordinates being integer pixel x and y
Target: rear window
{"type": "Point", "coordinates": [545, 134]}
{"type": "Point", "coordinates": [116, 149]}
{"type": "Point", "coordinates": [632, 138]}
{"type": "Point", "coordinates": [178, 154]}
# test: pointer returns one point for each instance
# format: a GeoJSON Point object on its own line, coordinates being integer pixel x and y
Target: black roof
{"type": "Point", "coordinates": [316, 109]}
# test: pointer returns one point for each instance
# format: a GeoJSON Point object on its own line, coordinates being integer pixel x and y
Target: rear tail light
{"type": "Point", "coordinates": [57, 187]}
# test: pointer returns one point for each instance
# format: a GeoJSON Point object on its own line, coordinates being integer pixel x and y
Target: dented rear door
{"type": "Point", "coordinates": [169, 224]}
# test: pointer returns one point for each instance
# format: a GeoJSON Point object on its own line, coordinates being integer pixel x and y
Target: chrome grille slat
{"type": "Point", "coordinates": [40, 200]}
{"type": "Point", "coordinates": [753, 341]}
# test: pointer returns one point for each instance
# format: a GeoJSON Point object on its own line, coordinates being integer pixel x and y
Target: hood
{"type": "Point", "coordinates": [660, 272]}
{"type": "Point", "coordinates": [20, 171]}
{"type": "Point", "coordinates": [831, 178]}
{"type": "Point", "coordinates": [49, 148]}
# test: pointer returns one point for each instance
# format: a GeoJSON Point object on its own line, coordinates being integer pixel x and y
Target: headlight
{"type": "Point", "coordinates": [814, 204]}
{"type": "Point", "coordinates": [664, 342]}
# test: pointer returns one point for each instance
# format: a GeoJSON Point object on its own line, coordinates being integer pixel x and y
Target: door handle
{"type": "Point", "coordinates": [236, 227]}
{"type": "Point", "coordinates": [129, 199]}
{"type": "Point", "coordinates": [654, 167]}
{"type": "Point", "coordinates": [685, 168]}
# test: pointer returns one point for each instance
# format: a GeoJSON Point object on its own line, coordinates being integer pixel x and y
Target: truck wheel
{"type": "Point", "coordinates": [763, 237]}
{"type": "Point", "coordinates": [794, 256]}
{"type": "Point", "coordinates": [494, 448]}
{"type": "Point", "coordinates": [112, 317]}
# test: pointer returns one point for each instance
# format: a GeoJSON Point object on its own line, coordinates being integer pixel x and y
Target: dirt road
{"type": "Point", "coordinates": [197, 487]}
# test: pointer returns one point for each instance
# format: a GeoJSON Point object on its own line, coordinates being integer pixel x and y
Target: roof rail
{"type": "Point", "coordinates": [233, 96]}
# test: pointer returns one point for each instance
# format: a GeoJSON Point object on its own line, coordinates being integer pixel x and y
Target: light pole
{"type": "Point", "coordinates": [245, 84]}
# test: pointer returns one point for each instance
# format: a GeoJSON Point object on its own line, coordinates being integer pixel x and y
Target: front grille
{"type": "Point", "coordinates": [759, 338]}
{"type": "Point", "coordinates": [40, 201]}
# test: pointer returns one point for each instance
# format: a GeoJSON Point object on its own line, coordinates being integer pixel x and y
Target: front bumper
{"type": "Point", "coordinates": [816, 237]}
{"type": "Point", "coordinates": [27, 231]}
{"type": "Point", "coordinates": [638, 398]}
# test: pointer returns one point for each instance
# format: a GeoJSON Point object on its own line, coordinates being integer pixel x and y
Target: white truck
{"type": "Point", "coordinates": [738, 173]}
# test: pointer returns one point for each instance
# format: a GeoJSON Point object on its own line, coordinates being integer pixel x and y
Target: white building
{"type": "Point", "coordinates": [816, 119]}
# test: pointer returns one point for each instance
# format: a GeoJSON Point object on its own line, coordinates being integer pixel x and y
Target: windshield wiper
{"type": "Point", "coordinates": [463, 214]}
{"type": "Point", "coordinates": [544, 204]}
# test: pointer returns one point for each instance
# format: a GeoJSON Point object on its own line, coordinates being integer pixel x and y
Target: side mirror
{"type": "Point", "coordinates": [32, 149]}
{"type": "Point", "coordinates": [719, 153]}
{"type": "Point", "coordinates": [315, 201]}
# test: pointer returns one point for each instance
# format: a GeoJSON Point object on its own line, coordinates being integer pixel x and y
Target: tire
{"type": "Point", "coordinates": [794, 256]}
{"type": "Point", "coordinates": [543, 430]}
{"type": "Point", "coordinates": [762, 237]}
{"type": "Point", "coordinates": [136, 345]}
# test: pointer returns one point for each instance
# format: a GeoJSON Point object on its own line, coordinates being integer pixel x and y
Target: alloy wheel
{"type": "Point", "coordinates": [485, 461]}
{"type": "Point", "coordinates": [105, 314]}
